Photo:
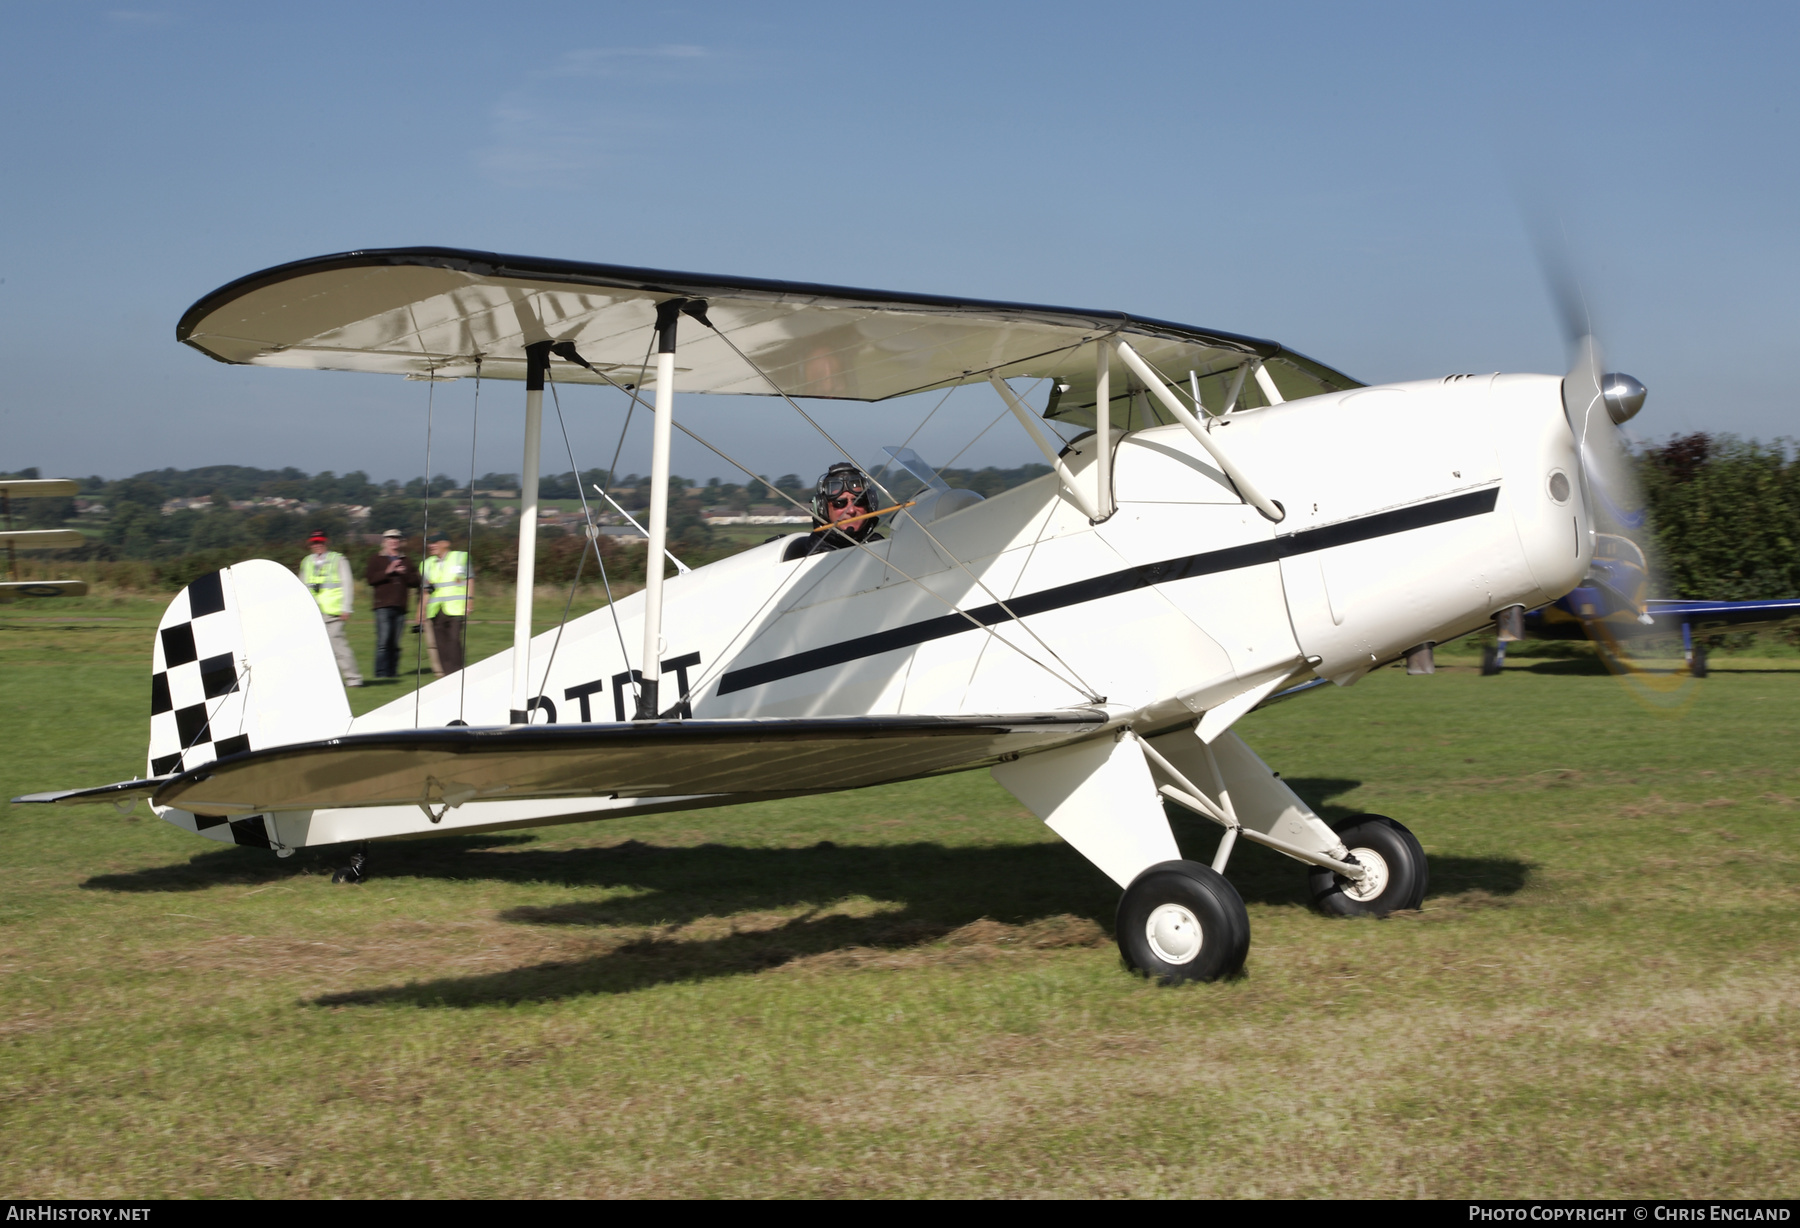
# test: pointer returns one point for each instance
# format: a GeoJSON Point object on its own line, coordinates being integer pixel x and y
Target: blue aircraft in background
{"type": "Point", "coordinates": [1612, 605]}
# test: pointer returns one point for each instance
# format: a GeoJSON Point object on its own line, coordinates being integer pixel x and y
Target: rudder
{"type": "Point", "coordinates": [241, 662]}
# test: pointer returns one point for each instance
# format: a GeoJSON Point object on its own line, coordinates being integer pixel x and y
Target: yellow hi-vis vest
{"type": "Point", "coordinates": [447, 582]}
{"type": "Point", "coordinates": [321, 575]}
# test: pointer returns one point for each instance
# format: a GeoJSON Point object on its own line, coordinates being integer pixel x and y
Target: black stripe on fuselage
{"type": "Point", "coordinates": [1306, 541]}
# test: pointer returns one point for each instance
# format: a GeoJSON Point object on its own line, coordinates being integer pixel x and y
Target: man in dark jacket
{"type": "Point", "coordinates": [390, 574]}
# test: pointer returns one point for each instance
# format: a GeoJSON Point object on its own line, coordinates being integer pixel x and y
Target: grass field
{"type": "Point", "coordinates": [913, 990]}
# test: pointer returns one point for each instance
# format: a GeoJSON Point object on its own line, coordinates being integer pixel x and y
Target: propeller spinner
{"type": "Point", "coordinates": [1597, 403]}
{"type": "Point", "coordinates": [1623, 395]}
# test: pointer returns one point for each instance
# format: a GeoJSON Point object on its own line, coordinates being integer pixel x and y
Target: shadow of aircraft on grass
{"type": "Point", "coordinates": [957, 906]}
{"type": "Point", "coordinates": [250, 867]}
{"type": "Point", "coordinates": [944, 904]}
{"type": "Point", "coordinates": [833, 942]}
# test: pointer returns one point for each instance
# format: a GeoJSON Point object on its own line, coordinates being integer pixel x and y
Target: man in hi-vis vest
{"type": "Point", "coordinates": [444, 599]}
{"type": "Point", "coordinates": [326, 573]}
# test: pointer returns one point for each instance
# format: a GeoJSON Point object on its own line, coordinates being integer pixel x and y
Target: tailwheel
{"type": "Point", "coordinates": [1397, 870]}
{"type": "Point", "coordinates": [352, 873]}
{"type": "Point", "coordinates": [1181, 921]}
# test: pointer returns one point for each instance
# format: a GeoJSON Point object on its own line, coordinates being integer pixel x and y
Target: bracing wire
{"type": "Point", "coordinates": [1001, 602]}
{"type": "Point", "coordinates": [462, 685]}
{"type": "Point", "coordinates": [724, 653]}
{"type": "Point", "coordinates": [890, 494]}
{"type": "Point", "coordinates": [581, 562]}
{"type": "Point", "coordinates": [593, 534]}
{"type": "Point", "coordinates": [425, 533]}
{"type": "Point", "coordinates": [1078, 684]}
{"type": "Point", "coordinates": [1011, 614]}
{"type": "Point", "coordinates": [792, 404]}
{"type": "Point", "coordinates": [244, 677]}
{"type": "Point", "coordinates": [915, 431]}
{"type": "Point", "coordinates": [888, 563]}
{"type": "Point", "coordinates": [612, 472]}
{"type": "Point", "coordinates": [978, 434]}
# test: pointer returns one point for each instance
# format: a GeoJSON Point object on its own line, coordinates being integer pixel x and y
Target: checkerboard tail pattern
{"type": "Point", "coordinates": [199, 690]}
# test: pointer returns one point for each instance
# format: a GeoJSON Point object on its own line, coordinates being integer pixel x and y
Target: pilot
{"type": "Point", "coordinates": [845, 496]}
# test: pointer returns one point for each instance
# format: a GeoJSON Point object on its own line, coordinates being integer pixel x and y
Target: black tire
{"type": "Point", "coordinates": [1182, 897]}
{"type": "Point", "coordinates": [1396, 854]}
{"type": "Point", "coordinates": [1490, 661]}
{"type": "Point", "coordinates": [1698, 665]}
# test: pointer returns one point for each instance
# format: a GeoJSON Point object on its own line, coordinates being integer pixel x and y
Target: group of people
{"type": "Point", "coordinates": [843, 511]}
{"type": "Point", "coordinates": [442, 582]}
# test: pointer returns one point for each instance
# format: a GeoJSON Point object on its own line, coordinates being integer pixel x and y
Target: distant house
{"type": "Point", "coordinates": [758, 513]}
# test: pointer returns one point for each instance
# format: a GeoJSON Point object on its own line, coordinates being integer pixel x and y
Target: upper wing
{"type": "Point", "coordinates": [746, 757]}
{"type": "Point", "coordinates": [444, 312]}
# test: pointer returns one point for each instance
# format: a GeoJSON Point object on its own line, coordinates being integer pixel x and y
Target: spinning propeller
{"type": "Point", "coordinates": [1612, 599]}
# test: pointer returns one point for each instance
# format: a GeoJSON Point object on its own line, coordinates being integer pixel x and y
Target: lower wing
{"type": "Point", "coordinates": [447, 767]}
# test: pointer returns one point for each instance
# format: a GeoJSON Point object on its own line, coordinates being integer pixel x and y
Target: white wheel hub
{"type": "Point", "coordinates": [1375, 877]}
{"type": "Point", "coordinates": [1174, 933]}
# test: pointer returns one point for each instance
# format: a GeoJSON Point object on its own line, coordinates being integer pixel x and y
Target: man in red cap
{"type": "Point", "coordinates": [327, 573]}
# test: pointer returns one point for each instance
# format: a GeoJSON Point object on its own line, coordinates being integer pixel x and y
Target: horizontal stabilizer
{"type": "Point", "coordinates": [121, 791]}
{"type": "Point", "coordinates": [771, 757]}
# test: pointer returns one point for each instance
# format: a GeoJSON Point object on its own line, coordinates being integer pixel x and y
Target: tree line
{"type": "Point", "coordinates": [1725, 516]}
{"type": "Point", "coordinates": [168, 548]}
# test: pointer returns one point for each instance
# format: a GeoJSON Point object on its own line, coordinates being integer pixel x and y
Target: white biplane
{"type": "Point", "coordinates": [1239, 522]}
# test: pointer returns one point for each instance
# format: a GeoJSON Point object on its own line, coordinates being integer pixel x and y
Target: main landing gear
{"type": "Point", "coordinates": [1182, 921]}
{"type": "Point", "coordinates": [1397, 871]}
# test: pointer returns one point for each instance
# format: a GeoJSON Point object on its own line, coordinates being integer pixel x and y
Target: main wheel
{"type": "Point", "coordinates": [1396, 865]}
{"type": "Point", "coordinates": [1181, 921]}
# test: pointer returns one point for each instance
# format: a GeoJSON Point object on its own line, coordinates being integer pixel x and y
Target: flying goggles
{"type": "Point", "coordinates": [834, 484]}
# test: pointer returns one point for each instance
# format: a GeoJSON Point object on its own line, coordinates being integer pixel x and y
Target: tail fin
{"type": "Point", "coordinates": [242, 662]}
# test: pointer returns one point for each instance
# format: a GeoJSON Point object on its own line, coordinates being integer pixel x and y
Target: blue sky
{"type": "Point", "coordinates": [1344, 179]}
